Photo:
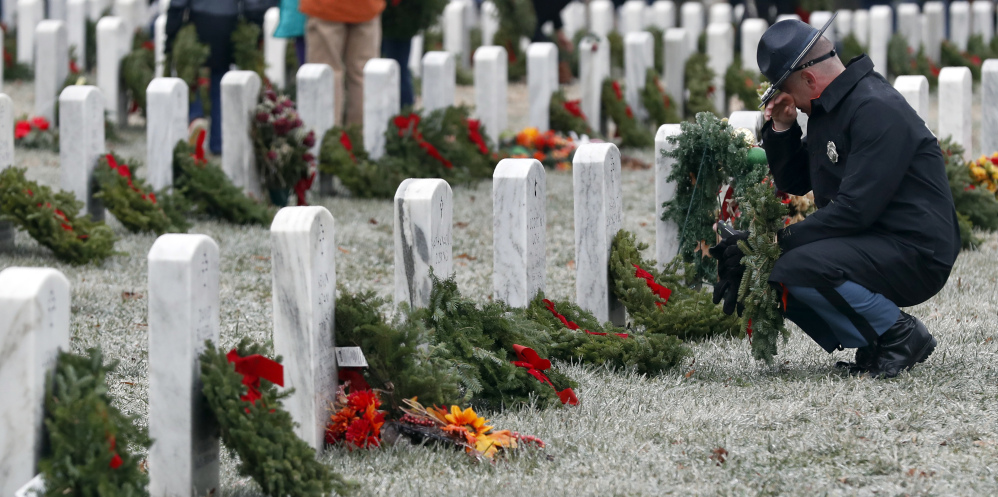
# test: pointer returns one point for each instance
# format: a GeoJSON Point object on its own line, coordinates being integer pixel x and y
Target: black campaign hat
{"type": "Point", "coordinates": [782, 48]}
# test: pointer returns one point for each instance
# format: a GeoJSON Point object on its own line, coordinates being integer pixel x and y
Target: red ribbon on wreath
{"type": "Point", "coordinates": [659, 290]}
{"type": "Point", "coordinates": [199, 158]}
{"type": "Point", "coordinates": [535, 366]}
{"type": "Point", "coordinates": [116, 460]}
{"type": "Point", "coordinates": [302, 186]}
{"type": "Point", "coordinates": [475, 135]}
{"type": "Point", "coordinates": [126, 173]}
{"type": "Point", "coordinates": [411, 123]}
{"type": "Point", "coordinates": [347, 144]}
{"type": "Point", "coordinates": [571, 325]}
{"type": "Point", "coordinates": [253, 368]}
{"type": "Point", "coordinates": [574, 107]}
{"type": "Point", "coordinates": [616, 90]}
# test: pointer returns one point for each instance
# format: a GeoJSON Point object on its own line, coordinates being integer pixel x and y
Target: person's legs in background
{"type": "Point", "coordinates": [300, 49]}
{"type": "Point", "coordinates": [399, 50]}
{"type": "Point", "coordinates": [362, 42]}
{"type": "Point", "coordinates": [216, 32]}
{"type": "Point", "coordinates": [326, 44]}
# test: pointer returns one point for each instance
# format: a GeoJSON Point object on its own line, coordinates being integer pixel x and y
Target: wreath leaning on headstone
{"type": "Point", "coordinates": [91, 442]}
{"type": "Point", "coordinates": [138, 68]}
{"type": "Point", "coordinates": [133, 202]}
{"type": "Point", "coordinates": [53, 219]}
{"type": "Point", "coordinates": [632, 134]}
{"type": "Point", "coordinates": [566, 115]}
{"type": "Point", "coordinates": [659, 104]}
{"type": "Point", "coordinates": [240, 392]}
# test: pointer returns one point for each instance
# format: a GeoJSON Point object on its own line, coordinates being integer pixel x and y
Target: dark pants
{"type": "Point", "coordinates": [399, 50]}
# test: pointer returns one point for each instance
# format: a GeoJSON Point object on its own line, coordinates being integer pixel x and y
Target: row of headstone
{"type": "Point", "coordinates": [31, 48]}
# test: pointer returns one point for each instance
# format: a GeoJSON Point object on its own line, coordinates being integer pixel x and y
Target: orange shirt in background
{"type": "Point", "coordinates": [347, 11]}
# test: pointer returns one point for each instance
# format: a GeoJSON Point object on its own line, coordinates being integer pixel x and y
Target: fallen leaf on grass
{"type": "Point", "coordinates": [464, 255]}
{"type": "Point", "coordinates": [643, 224]}
{"type": "Point", "coordinates": [127, 383]}
{"type": "Point", "coordinates": [983, 443]}
{"type": "Point", "coordinates": [461, 225]}
{"type": "Point", "coordinates": [372, 221]}
{"type": "Point", "coordinates": [719, 455]}
{"type": "Point", "coordinates": [345, 251]}
{"type": "Point", "coordinates": [689, 373]}
{"type": "Point", "coordinates": [571, 264]}
{"type": "Point", "coordinates": [920, 474]}
{"type": "Point", "coordinates": [988, 339]}
{"type": "Point", "coordinates": [130, 296]}
{"type": "Point", "coordinates": [262, 257]}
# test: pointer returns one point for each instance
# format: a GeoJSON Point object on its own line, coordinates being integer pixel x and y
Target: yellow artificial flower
{"type": "Point", "coordinates": [467, 418]}
{"type": "Point", "coordinates": [488, 445]}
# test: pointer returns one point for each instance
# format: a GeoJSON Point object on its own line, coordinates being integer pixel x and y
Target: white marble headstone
{"type": "Point", "coordinates": [956, 96]}
{"type": "Point", "coordinates": [784, 17]}
{"type": "Point", "coordinates": [632, 17]}
{"type": "Point", "coordinates": [114, 41]}
{"type": "Point", "coordinates": [542, 70]}
{"type": "Point", "coordinates": [457, 35]}
{"type": "Point", "coordinates": [382, 100]}
{"type": "Point", "coordinates": [51, 68]}
{"type": "Point", "coordinates": [303, 254]}
{"type": "Point", "coordinates": [424, 217]}
{"type": "Point", "coordinates": [915, 90]}
{"type": "Point", "coordinates": [752, 30]}
{"type": "Point", "coordinates": [881, 29]}
{"type": "Point", "coordinates": [662, 14]}
{"type": "Point", "coordinates": [818, 19]}
{"type": "Point", "coordinates": [9, 11]}
{"type": "Point", "coordinates": [416, 56]}
{"type": "Point", "coordinates": [601, 18]}
{"type": "Point", "coordinates": [240, 91]}
{"type": "Point", "coordinates": [984, 20]}
{"type": "Point", "coordinates": [639, 56]}
{"type": "Point", "coordinates": [596, 182]}
{"type": "Point", "coordinates": [81, 142]}
{"type": "Point", "coordinates": [720, 53]}
{"type": "Point", "coordinates": [132, 12]}
{"type": "Point", "coordinates": [274, 49]}
{"type": "Point", "coordinates": [166, 124]}
{"type": "Point", "coordinates": [677, 51]}
{"type": "Point", "coordinates": [720, 13]}
{"type": "Point", "coordinates": [748, 119]}
{"type": "Point", "coordinates": [6, 132]}
{"type": "Point", "coordinates": [910, 24]}
{"type": "Point", "coordinates": [315, 103]}
{"type": "Point", "coordinates": [959, 23]}
{"type": "Point", "coordinates": [489, 23]}
{"type": "Point", "coordinates": [693, 20]}
{"type": "Point", "coordinates": [183, 314]}
{"type": "Point", "coordinates": [34, 326]}
{"type": "Point", "coordinates": [594, 67]}
{"type": "Point", "coordinates": [935, 29]}
{"type": "Point", "coordinates": [861, 26]}
{"type": "Point", "coordinates": [76, 30]}
{"type": "Point", "coordinates": [989, 107]}
{"type": "Point", "coordinates": [96, 8]}
{"type": "Point", "coordinates": [666, 232]}
{"type": "Point", "coordinates": [491, 106]}
{"type": "Point", "coordinates": [439, 80]}
{"type": "Point", "coordinates": [29, 14]}
{"type": "Point", "coordinates": [519, 225]}
{"type": "Point", "coordinates": [573, 18]}
{"type": "Point", "coordinates": [843, 24]}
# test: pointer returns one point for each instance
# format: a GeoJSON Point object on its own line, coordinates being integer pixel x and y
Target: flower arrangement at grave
{"type": "Point", "coordinates": [357, 420]}
{"type": "Point", "coordinates": [461, 428]}
{"type": "Point", "coordinates": [662, 303]}
{"type": "Point", "coordinates": [92, 445]}
{"type": "Point", "coordinates": [208, 191]}
{"type": "Point", "coordinates": [761, 319]}
{"type": "Point", "coordinates": [553, 150]}
{"type": "Point", "coordinates": [902, 60]}
{"type": "Point", "coordinates": [445, 143]}
{"type": "Point", "coordinates": [699, 78]}
{"type": "Point", "coordinates": [138, 68]}
{"type": "Point", "coordinates": [53, 219]}
{"type": "Point", "coordinates": [247, 48]}
{"type": "Point", "coordinates": [516, 20]}
{"type": "Point", "coordinates": [35, 132]}
{"type": "Point", "coordinates": [282, 146]}
{"type": "Point", "coordinates": [240, 393]}
{"type": "Point", "coordinates": [12, 69]}
{"type": "Point", "coordinates": [188, 57]}
{"type": "Point", "coordinates": [708, 153]}
{"type": "Point", "coordinates": [742, 83]}
{"type": "Point", "coordinates": [631, 133]}
{"type": "Point", "coordinates": [972, 186]}
{"type": "Point", "coordinates": [566, 115]}
{"type": "Point", "coordinates": [657, 102]}
{"type": "Point", "coordinates": [851, 48]}
{"type": "Point", "coordinates": [133, 202]}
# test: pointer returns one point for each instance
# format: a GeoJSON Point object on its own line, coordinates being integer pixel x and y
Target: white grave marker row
{"type": "Point", "coordinates": [81, 142]}
{"type": "Point", "coordinates": [167, 113]}
{"type": "Point", "coordinates": [639, 56]}
{"type": "Point", "coordinates": [424, 217]}
{"type": "Point", "coordinates": [519, 225]}
{"type": "Point", "coordinates": [666, 232]}
{"type": "Point", "coordinates": [490, 90]}
{"type": "Point", "coordinates": [114, 41]}
{"type": "Point", "coordinates": [542, 82]}
{"type": "Point", "coordinates": [989, 107]}
{"type": "Point", "coordinates": [274, 49]}
{"type": "Point", "coordinates": [382, 100]}
{"type": "Point", "coordinates": [439, 80]}
{"type": "Point", "coordinates": [240, 90]}
{"type": "Point", "coordinates": [51, 68]}
{"type": "Point", "coordinates": [316, 104]}
{"type": "Point", "coordinates": [956, 96]}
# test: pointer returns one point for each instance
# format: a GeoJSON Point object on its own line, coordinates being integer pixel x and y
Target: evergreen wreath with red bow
{"type": "Point", "coordinates": [133, 202]}
{"type": "Point", "coordinates": [631, 133]}
{"type": "Point", "coordinates": [37, 133]}
{"type": "Point", "coordinates": [53, 219]}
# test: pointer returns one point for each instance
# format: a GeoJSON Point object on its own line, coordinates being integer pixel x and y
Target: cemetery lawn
{"type": "Point", "coordinates": [798, 427]}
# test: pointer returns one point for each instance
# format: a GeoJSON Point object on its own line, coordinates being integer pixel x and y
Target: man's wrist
{"type": "Point", "coordinates": [778, 129]}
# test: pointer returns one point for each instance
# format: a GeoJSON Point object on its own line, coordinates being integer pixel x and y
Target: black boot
{"type": "Point", "coordinates": [905, 344]}
{"type": "Point", "coordinates": [865, 358]}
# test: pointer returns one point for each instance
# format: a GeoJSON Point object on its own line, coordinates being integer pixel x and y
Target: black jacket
{"type": "Point", "coordinates": [889, 176]}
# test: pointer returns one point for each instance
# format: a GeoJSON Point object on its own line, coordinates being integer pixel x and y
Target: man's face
{"type": "Point", "coordinates": [797, 87]}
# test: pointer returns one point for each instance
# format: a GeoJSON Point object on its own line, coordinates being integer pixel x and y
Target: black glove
{"type": "Point", "coordinates": [729, 271]}
{"type": "Point", "coordinates": [174, 21]}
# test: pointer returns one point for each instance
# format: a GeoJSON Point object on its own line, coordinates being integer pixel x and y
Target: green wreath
{"type": "Point", "coordinates": [903, 61]}
{"type": "Point", "coordinates": [133, 202]}
{"type": "Point", "coordinates": [138, 69]}
{"type": "Point", "coordinates": [53, 219]}
{"type": "Point", "coordinates": [657, 102]}
{"type": "Point", "coordinates": [615, 108]}
{"type": "Point", "coordinates": [567, 116]}
{"type": "Point", "coordinates": [742, 83]}
{"type": "Point", "coordinates": [188, 57]}
{"type": "Point", "coordinates": [700, 84]}
{"type": "Point", "coordinates": [209, 192]}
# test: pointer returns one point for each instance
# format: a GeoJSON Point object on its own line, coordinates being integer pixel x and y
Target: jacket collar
{"type": "Point", "coordinates": [856, 70]}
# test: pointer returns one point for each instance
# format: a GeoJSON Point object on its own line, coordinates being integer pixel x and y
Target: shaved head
{"type": "Point", "coordinates": [807, 84]}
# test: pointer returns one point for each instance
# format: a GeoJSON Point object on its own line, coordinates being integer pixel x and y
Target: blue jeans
{"type": "Point", "coordinates": [399, 50]}
{"type": "Point", "coordinates": [197, 110]}
{"type": "Point", "coordinates": [848, 315]}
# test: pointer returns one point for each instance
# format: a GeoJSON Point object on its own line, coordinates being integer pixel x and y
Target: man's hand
{"type": "Point", "coordinates": [782, 111]}
{"type": "Point", "coordinates": [729, 271]}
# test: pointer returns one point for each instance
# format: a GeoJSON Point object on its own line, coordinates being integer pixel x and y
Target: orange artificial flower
{"type": "Point", "coordinates": [540, 156]}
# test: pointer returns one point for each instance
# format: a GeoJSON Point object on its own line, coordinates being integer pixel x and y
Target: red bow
{"type": "Point", "coordinates": [302, 186]}
{"type": "Point", "coordinates": [662, 292]}
{"type": "Point", "coordinates": [748, 330]}
{"type": "Point", "coordinates": [411, 123]}
{"type": "Point", "coordinates": [574, 107]}
{"type": "Point", "coordinates": [728, 206]}
{"type": "Point", "coordinates": [126, 173]}
{"type": "Point", "coordinates": [616, 90]}
{"type": "Point", "coordinates": [253, 368]}
{"type": "Point", "coordinates": [571, 325]}
{"type": "Point", "coordinates": [116, 461]}
{"type": "Point", "coordinates": [536, 365]}
{"type": "Point", "coordinates": [347, 144]}
{"type": "Point", "coordinates": [353, 376]}
{"type": "Point", "coordinates": [475, 135]}
{"type": "Point", "coordinates": [199, 149]}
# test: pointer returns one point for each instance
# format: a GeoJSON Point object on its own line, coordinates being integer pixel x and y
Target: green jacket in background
{"type": "Point", "coordinates": [402, 19]}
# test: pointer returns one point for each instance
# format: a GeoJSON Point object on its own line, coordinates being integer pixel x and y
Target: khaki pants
{"type": "Point", "coordinates": [345, 48]}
